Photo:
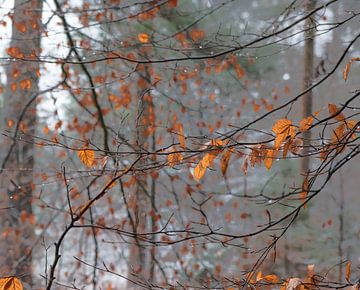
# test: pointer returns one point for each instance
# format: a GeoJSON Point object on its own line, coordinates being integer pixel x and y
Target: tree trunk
{"type": "Point", "coordinates": [17, 162]}
{"type": "Point", "coordinates": [140, 256]}
{"type": "Point", "coordinates": [307, 81]}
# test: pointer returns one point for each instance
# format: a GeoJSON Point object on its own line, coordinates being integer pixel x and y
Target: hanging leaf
{"type": "Point", "coordinates": [224, 162]}
{"type": "Point", "coordinates": [348, 271]}
{"type": "Point", "coordinates": [86, 156]}
{"type": "Point", "coordinates": [197, 35]}
{"type": "Point", "coordinates": [305, 124]}
{"type": "Point", "coordinates": [347, 67]}
{"type": "Point", "coordinates": [174, 158]}
{"type": "Point", "coordinates": [10, 283]}
{"type": "Point", "coordinates": [181, 136]}
{"type": "Point", "coordinates": [283, 128]}
{"type": "Point", "coordinates": [143, 37]}
{"type": "Point", "coordinates": [271, 278]}
{"type": "Point", "coordinates": [204, 163]}
{"type": "Point", "coordinates": [303, 196]}
{"type": "Point", "coordinates": [333, 110]}
{"type": "Point", "coordinates": [269, 158]}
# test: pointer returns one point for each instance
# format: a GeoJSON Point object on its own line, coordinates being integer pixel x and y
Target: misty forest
{"type": "Point", "coordinates": [179, 144]}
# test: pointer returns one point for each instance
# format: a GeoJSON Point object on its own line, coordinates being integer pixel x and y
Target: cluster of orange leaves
{"type": "Point", "coordinates": [258, 281]}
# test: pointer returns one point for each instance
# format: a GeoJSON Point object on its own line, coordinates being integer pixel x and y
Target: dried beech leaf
{"type": "Point", "coordinates": [10, 283]}
{"type": "Point", "coordinates": [348, 270]}
{"type": "Point", "coordinates": [224, 162]}
{"type": "Point", "coordinates": [174, 158]}
{"type": "Point", "coordinates": [86, 156]}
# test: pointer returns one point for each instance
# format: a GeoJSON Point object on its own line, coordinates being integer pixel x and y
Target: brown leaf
{"type": "Point", "coordinates": [271, 278]}
{"type": "Point", "coordinates": [10, 283]}
{"type": "Point", "coordinates": [346, 70]}
{"type": "Point", "coordinates": [86, 156]}
{"type": "Point", "coordinates": [181, 136]}
{"type": "Point", "coordinates": [347, 67]}
{"type": "Point", "coordinates": [333, 110]}
{"type": "Point", "coordinates": [268, 161]}
{"type": "Point", "coordinates": [348, 271]}
{"type": "Point", "coordinates": [283, 128]}
{"type": "Point", "coordinates": [303, 196]}
{"type": "Point", "coordinates": [305, 124]}
{"type": "Point", "coordinates": [224, 162]}
{"type": "Point", "coordinates": [204, 163]}
{"type": "Point", "coordinates": [174, 158]}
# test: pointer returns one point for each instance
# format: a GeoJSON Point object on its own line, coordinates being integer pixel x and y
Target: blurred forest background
{"type": "Point", "coordinates": [107, 108]}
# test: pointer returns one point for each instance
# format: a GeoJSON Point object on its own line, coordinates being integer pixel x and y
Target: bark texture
{"type": "Point", "coordinates": [18, 121]}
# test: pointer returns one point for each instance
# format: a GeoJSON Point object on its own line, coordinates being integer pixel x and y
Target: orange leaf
{"type": "Point", "coordinates": [172, 3]}
{"type": "Point", "coordinates": [333, 110]}
{"type": "Point", "coordinates": [347, 67]}
{"type": "Point", "coordinates": [86, 156]}
{"type": "Point", "coordinates": [174, 158]}
{"type": "Point", "coordinates": [348, 270]}
{"type": "Point", "coordinates": [181, 136]}
{"type": "Point", "coordinates": [338, 133]}
{"type": "Point", "coordinates": [21, 27]}
{"type": "Point", "coordinates": [224, 162]}
{"type": "Point", "coordinates": [143, 37]}
{"type": "Point", "coordinates": [346, 70]}
{"type": "Point", "coordinates": [305, 124]}
{"type": "Point", "coordinates": [303, 196]}
{"type": "Point", "coordinates": [258, 276]}
{"type": "Point", "coordinates": [269, 158]}
{"type": "Point", "coordinates": [351, 124]}
{"type": "Point", "coordinates": [283, 128]}
{"type": "Point", "coordinates": [197, 35]}
{"type": "Point", "coordinates": [25, 84]}
{"type": "Point", "coordinates": [271, 278]}
{"type": "Point", "coordinates": [10, 283]}
{"type": "Point", "coordinates": [204, 163]}
{"type": "Point", "coordinates": [14, 52]}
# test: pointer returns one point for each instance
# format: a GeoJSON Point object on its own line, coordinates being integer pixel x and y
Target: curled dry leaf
{"type": "Point", "coordinates": [348, 271]}
{"type": "Point", "coordinates": [305, 124]}
{"type": "Point", "coordinates": [224, 162]}
{"type": "Point", "coordinates": [296, 146]}
{"type": "Point", "coordinates": [269, 158]}
{"type": "Point", "coordinates": [333, 110]}
{"type": "Point", "coordinates": [204, 163]}
{"type": "Point", "coordinates": [283, 128]}
{"type": "Point", "coordinates": [293, 283]}
{"type": "Point", "coordinates": [10, 283]}
{"type": "Point", "coordinates": [174, 158]}
{"type": "Point", "coordinates": [303, 196]}
{"type": "Point", "coordinates": [181, 136]}
{"type": "Point", "coordinates": [271, 279]}
{"type": "Point", "coordinates": [86, 156]}
{"type": "Point", "coordinates": [347, 67]}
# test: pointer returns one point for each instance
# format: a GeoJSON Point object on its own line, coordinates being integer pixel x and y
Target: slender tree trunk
{"type": "Point", "coordinates": [140, 256]}
{"type": "Point", "coordinates": [17, 162]}
{"type": "Point", "coordinates": [307, 81]}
